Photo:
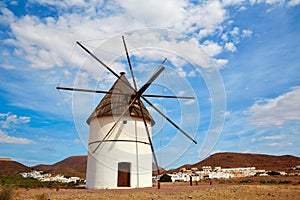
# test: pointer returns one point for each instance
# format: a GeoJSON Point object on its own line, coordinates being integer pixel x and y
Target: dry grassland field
{"type": "Point", "coordinates": [203, 190]}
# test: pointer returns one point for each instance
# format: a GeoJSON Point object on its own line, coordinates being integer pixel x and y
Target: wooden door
{"type": "Point", "coordinates": [124, 174]}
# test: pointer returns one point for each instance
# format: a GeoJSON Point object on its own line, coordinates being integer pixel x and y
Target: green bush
{"type": "Point", "coordinates": [19, 181]}
{"type": "Point", "coordinates": [272, 173]}
{"type": "Point", "coordinates": [245, 181]}
{"type": "Point", "coordinates": [268, 181]}
{"type": "Point", "coordinates": [165, 178]}
{"type": "Point", "coordinates": [285, 182]}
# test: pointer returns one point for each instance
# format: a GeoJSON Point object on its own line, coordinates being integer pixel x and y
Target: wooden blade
{"type": "Point", "coordinates": [102, 63]}
{"type": "Point", "coordinates": [149, 138]}
{"type": "Point", "coordinates": [152, 78]}
{"type": "Point", "coordinates": [169, 120]}
{"type": "Point", "coordinates": [117, 93]}
{"type": "Point", "coordinates": [108, 68]}
{"type": "Point", "coordinates": [129, 63]}
{"type": "Point", "coordinates": [82, 90]}
{"type": "Point", "coordinates": [167, 96]}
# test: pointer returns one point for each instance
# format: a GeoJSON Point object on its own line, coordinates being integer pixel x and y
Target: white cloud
{"type": "Point", "coordinates": [229, 46]}
{"type": "Point", "coordinates": [4, 138]}
{"type": "Point", "coordinates": [192, 74]}
{"type": "Point", "coordinates": [211, 48]}
{"type": "Point", "coordinates": [46, 139]}
{"type": "Point", "coordinates": [190, 101]}
{"type": "Point", "coordinates": [272, 137]}
{"type": "Point", "coordinates": [276, 111]}
{"type": "Point", "coordinates": [8, 119]}
{"type": "Point", "coordinates": [14, 2]}
{"type": "Point", "coordinates": [224, 37]}
{"type": "Point", "coordinates": [64, 4]}
{"type": "Point", "coordinates": [221, 62]}
{"type": "Point", "coordinates": [243, 8]}
{"type": "Point", "coordinates": [281, 2]}
{"type": "Point", "coordinates": [232, 2]}
{"type": "Point", "coordinates": [7, 16]}
{"type": "Point", "coordinates": [181, 72]}
{"type": "Point", "coordinates": [181, 92]}
{"type": "Point", "coordinates": [47, 42]}
{"type": "Point", "coordinates": [246, 33]}
{"type": "Point", "coordinates": [5, 66]}
{"type": "Point", "coordinates": [154, 12]}
{"type": "Point", "coordinates": [235, 31]}
{"type": "Point", "coordinates": [293, 2]}
{"type": "Point", "coordinates": [279, 144]}
{"type": "Point", "coordinates": [77, 141]}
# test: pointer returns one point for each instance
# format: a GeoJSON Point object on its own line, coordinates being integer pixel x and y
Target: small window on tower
{"type": "Point", "coordinates": [124, 121]}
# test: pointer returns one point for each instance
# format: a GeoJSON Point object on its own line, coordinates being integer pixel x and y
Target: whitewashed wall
{"type": "Point", "coordinates": [102, 166]}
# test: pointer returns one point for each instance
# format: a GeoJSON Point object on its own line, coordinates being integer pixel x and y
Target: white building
{"type": "Point", "coordinates": [123, 158]}
{"type": "Point", "coordinates": [184, 177]}
{"type": "Point", "coordinates": [220, 175]}
{"type": "Point", "coordinates": [206, 169]}
{"type": "Point", "coordinates": [243, 171]}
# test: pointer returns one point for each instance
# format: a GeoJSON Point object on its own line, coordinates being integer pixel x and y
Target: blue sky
{"type": "Point", "coordinates": [254, 45]}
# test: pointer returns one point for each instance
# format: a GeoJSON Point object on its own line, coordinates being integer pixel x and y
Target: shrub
{"type": "Point", "coordinates": [285, 182]}
{"type": "Point", "coordinates": [19, 181]}
{"type": "Point", "coordinates": [272, 173]}
{"type": "Point", "coordinates": [165, 178]}
{"type": "Point", "coordinates": [245, 181]}
{"type": "Point", "coordinates": [268, 181]}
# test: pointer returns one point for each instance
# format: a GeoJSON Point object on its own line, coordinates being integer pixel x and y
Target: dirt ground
{"type": "Point", "coordinates": [171, 191]}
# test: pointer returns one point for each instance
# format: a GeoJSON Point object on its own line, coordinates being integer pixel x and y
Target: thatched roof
{"type": "Point", "coordinates": [117, 99]}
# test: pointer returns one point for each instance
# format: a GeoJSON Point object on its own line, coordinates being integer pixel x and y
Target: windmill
{"type": "Point", "coordinates": [120, 141]}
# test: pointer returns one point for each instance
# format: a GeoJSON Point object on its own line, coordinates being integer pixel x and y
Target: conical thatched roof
{"type": "Point", "coordinates": [117, 99]}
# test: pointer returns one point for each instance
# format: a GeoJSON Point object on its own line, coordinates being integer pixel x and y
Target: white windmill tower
{"type": "Point", "coordinates": [124, 158]}
{"type": "Point", "coordinates": [120, 143]}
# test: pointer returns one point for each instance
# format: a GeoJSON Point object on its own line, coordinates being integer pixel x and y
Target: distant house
{"type": "Point", "coordinates": [184, 177]}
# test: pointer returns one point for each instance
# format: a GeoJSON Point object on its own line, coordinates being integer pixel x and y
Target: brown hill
{"type": "Point", "coordinates": [260, 161]}
{"type": "Point", "coordinates": [71, 166]}
{"type": "Point", "coordinates": [12, 168]}
{"type": "Point", "coordinates": [76, 165]}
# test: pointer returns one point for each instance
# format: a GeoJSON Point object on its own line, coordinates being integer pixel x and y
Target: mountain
{"type": "Point", "coordinates": [71, 166]}
{"type": "Point", "coordinates": [260, 161]}
{"type": "Point", "coordinates": [76, 165]}
{"type": "Point", "coordinates": [12, 168]}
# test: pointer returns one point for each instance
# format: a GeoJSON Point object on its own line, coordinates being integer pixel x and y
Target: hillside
{"type": "Point", "coordinates": [260, 161]}
{"type": "Point", "coordinates": [71, 166]}
{"type": "Point", "coordinates": [12, 168]}
{"type": "Point", "coordinates": [76, 165]}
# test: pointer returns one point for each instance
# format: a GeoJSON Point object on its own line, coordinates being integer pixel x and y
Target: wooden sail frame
{"type": "Point", "coordinates": [137, 95]}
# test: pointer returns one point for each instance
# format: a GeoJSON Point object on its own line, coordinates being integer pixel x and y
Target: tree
{"type": "Point", "coordinates": [272, 173]}
{"type": "Point", "coordinates": [165, 178]}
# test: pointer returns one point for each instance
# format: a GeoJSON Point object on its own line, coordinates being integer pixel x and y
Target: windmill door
{"type": "Point", "coordinates": [124, 174]}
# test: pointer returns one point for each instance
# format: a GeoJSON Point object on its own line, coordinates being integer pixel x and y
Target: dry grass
{"type": "Point", "coordinates": [171, 191]}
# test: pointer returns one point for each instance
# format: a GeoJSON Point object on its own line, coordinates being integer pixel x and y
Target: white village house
{"type": "Point", "coordinates": [216, 173]}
